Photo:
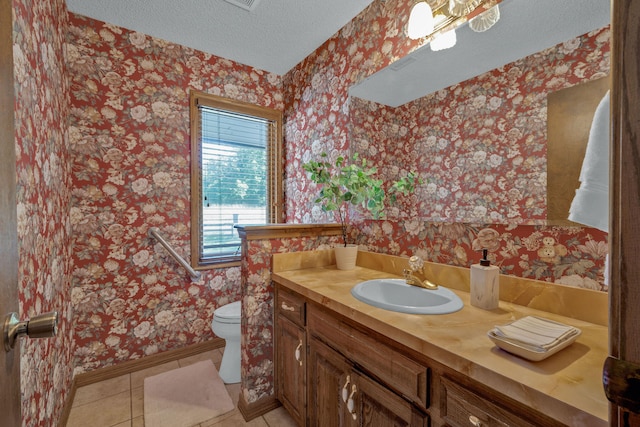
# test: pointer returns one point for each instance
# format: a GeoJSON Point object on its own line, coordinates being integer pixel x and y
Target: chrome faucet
{"type": "Point", "coordinates": [415, 274]}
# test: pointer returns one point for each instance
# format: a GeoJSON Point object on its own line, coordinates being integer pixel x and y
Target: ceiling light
{"type": "Point", "coordinates": [420, 21]}
{"type": "Point", "coordinates": [435, 21]}
{"type": "Point", "coordinates": [444, 41]}
{"type": "Point", "coordinates": [462, 7]}
{"type": "Point", "coordinates": [485, 20]}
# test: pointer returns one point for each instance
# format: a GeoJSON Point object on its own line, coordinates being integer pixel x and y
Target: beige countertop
{"type": "Point", "coordinates": [566, 386]}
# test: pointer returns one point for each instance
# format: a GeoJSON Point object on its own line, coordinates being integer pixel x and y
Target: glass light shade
{"type": "Point", "coordinates": [444, 41]}
{"type": "Point", "coordinates": [462, 7]}
{"type": "Point", "coordinates": [420, 21]}
{"type": "Point", "coordinates": [485, 20]}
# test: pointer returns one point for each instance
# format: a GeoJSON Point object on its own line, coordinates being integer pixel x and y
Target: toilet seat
{"type": "Point", "coordinates": [229, 313]}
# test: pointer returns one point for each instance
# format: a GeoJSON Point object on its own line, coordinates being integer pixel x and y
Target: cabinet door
{"type": "Point", "coordinates": [330, 384]}
{"type": "Point", "coordinates": [375, 405]}
{"type": "Point", "coordinates": [291, 368]}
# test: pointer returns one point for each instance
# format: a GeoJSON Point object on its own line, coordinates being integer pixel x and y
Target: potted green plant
{"type": "Point", "coordinates": [354, 183]}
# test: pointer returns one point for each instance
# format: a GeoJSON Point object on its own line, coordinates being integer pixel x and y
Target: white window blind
{"type": "Point", "coordinates": [235, 177]}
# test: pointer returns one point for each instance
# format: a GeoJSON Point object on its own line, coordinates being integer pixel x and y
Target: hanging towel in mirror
{"type": "Point", "coordinates": [590, 206]}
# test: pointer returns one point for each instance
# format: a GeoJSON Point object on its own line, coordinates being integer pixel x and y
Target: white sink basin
{"type": "Point", "coordinates": [396, 295]}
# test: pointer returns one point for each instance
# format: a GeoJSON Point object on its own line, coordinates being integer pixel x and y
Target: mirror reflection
{"type": "Point", "coordinates": [481, 146]}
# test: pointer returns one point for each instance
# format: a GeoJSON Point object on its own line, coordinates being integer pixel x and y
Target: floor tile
{"type": "Point", "coordinates": [279, 417]}
{"type": "Point", "coordinates": [137, 402]}
{"type": "Point", "coordinates": [137, 378]}
{"type": "Point", "coordinates": [234, 420]}
{"type": "Point", "coordinates": [119, 402]}
{"type": "Point", "coordinates": [219, 420]}
{"type": "Point", "coordinates": [106, 412]}
{"type": "Point", "coordinates": [97, 391]}
{"type": "Point", "coordinates": [234, 392]}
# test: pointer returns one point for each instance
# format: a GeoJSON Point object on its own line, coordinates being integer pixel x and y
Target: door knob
{"type": "Point", "coordinates": [41, 326]}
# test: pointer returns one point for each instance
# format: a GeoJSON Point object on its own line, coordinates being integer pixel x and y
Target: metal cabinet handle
{"type": "Point", "coordinates": [351, 404]}
{"type": "Point", "coordinates": [345, 389]}
{"type": "Point", "coordinates": [41, 326]}
{"type": "Point", "coordinates": [285, 307]}
{"type": "Point", "coordinates": [475, 421]}
{"type": "Point", "coordinates": [298, 353]}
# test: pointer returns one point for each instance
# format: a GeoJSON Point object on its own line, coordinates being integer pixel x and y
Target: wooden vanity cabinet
{"type": "Point", "coordinates": [332, 371]}
{"type": "Point", "coordinates": [358, 384]}
{"type": "Point", "coordinates": [404, 375]}
{"type": "Point", "coordinates": [344, 396]}
{"type": "Point", "coordinates": [291, 355]}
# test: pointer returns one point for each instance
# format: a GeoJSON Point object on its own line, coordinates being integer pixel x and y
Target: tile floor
{"type": "Point", "coordinates": [118, 402]}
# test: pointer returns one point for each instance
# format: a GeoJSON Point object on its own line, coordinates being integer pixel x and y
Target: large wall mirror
{"type": "Point", "coordinates": [481, 146]}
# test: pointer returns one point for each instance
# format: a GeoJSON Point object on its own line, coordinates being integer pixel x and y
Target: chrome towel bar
{"type": "Point", "coordinates": [153, 232]}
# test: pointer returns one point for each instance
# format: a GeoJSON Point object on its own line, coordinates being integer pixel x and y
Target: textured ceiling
{"type": "Point", "coordinates": [275, 36]}
{"type": "Point", "coordinates": [525, 27]}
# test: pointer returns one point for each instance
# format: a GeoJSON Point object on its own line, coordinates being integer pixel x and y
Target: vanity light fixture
{"type": "Point", "coordinates": [444, 41]}
{"type": "Point", "coordinates": [421, 21]}
{"type": "Point", "coordinates": [462, 7]}
{"type": "Point", "coordinates": [485, 20]}
{"type": "Point", "coordinates": [437, 20]}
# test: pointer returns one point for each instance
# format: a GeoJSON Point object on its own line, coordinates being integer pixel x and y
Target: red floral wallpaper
{"type": "Point", "coordinates": [572, 256]}
{"type": "Point", "coordinates": [316, 94]}
{"type": "Point", "coordinates": [129, 140]}
{"type": "Point", "coordinates": [129, 137]}
{"type": "Point", "coordinates": [257, 306]}
{"type": "Point", "coordinates": [87, 198]}
{"type": "Point", "coordinates": [480, 147]}
{"type": "Point", "coordinates": [43, 167]}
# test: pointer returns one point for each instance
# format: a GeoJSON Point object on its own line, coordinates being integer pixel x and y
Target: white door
{"type": "Point", "coordinates": [9, 360]}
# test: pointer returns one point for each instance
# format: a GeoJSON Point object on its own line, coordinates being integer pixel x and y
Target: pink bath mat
{"type": "Point", "coordinates": [185, 397]}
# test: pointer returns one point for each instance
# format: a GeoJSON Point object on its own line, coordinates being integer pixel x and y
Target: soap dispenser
{"type": "Point", "coordinates": [485, 287]}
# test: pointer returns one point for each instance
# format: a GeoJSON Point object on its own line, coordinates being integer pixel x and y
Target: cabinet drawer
{"type": "Point", "coordinates": [290, 306]}
{"type": "Point", "coordinates": [400, 373]}
{"type": "Point", "coordinates": [461, 407]}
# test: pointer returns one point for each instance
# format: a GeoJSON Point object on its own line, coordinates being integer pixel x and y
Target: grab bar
{"type": "Point", "coordinates": [153, 232]}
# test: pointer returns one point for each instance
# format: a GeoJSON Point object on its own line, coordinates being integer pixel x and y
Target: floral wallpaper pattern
{"type": "Point", "coordinates": [479, 146]}
{"type": "Point", "coordinates": [129, 140]}
{"type": "Point", "coordinates": [257, 306]}
{"type": "Point", "coordinates": [122, 166]}
{"type": "Point", "coordinates": [43, 168]}
{"type": "Point", "coordinates": [317, 94]}
{"type": "Point", "coordinates": [571, 256]}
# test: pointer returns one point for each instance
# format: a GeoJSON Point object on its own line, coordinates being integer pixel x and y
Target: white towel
{"type": "Point", "coordinates": [536, 331]}
{"type": "Point", "coordinates": [590, 205]}
{"type": "Point", "coordinates": [607, 271]}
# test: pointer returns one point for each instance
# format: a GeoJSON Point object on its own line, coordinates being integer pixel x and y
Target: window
{"type": "Point", "coordinates": [236, 174]}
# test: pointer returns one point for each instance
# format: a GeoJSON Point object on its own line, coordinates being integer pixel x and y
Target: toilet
{"type": "Point", "coordinates": [226, 324]}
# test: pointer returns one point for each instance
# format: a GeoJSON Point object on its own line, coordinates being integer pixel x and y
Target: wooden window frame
{"type": "Point", "coordinates": [274, 169]}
